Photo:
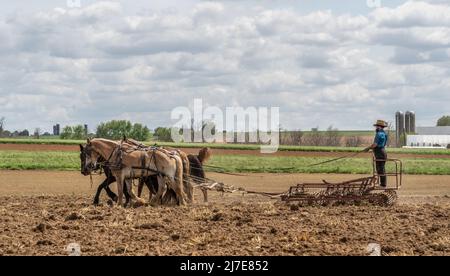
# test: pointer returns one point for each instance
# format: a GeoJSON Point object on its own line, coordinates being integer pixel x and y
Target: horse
{"type": "Point", "coordinates": [150, 182]}
{"type": "Point", "coordinates": [196, 172]}
{"type": "Point", "coordinates": [188, 188]}
{"type": "Point", "coordinates": [128, 165]}
{"type": "Point", "coordinates": [196, 168]}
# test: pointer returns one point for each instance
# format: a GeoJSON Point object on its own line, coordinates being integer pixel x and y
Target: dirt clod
{"type": "Point", "coordinates": [42, 227]}
{"type": "Point", "coordinates": [74, 216]}
{"type": "Point", "coordinates": [120, 250]}
{"type": "Point", "coordinates": [154, 225]}
{"type": "Point", "coordinates": [217, 217]}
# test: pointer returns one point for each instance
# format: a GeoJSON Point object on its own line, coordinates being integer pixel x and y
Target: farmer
{"type": "Point", "coordinates": [379, 150]}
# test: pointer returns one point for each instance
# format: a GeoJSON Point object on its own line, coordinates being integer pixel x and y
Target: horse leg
{"type": "Point", "coordinates": [109, 180]}
{"type": "Point", "coordinates": [170, 198]}
{"type": "Point", "coordinates": [120, 183]}
{"type": "Point", "coordinates": [188, 188]}
{"type": "Point", "coordinates": [141, 186]}
{"type": "Point", "coordinates": [156, 200]}
{"type": "Point", "coordinates": [99, 190]}
{"type": "Point", "coordinates": [105, 185]}
{"type": "Point", "coordinates": [152, 184]}
{"type": "Point", "coordinates": [205, 194]}
{"type": "Point", "coordinates": [125, 192]}
{"type": "Point", "coordinates": [139, 200]}
{"type": "Point", "coordinates": [181, 196]}
{"type": "Point", "coordinates": [111, 194]}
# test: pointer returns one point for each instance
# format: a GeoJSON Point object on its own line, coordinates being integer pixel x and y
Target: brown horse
{"type": "Point", "coordinates": [196, 169]}
{"type": "Point", "coordinates": [195, 172]}
{"type": "Point", "coordinates": [188, 188]}
{"type": "Point", "coordinates": [151, 182]}
{"type": "Point", "coordinates": [127, 164]}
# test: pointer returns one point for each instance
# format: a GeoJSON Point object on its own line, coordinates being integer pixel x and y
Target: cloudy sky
{"type": "Point", "coordinates": [322, 62]}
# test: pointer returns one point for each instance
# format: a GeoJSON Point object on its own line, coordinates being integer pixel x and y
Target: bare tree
{"type": "Point", "coordinates": [37, 133]}
{"type": "Point", "coordinates": [353, 141]}
{"type": "Point", "coordinates": [291, 138]}
{"type": "Point", "coordinates": [332, 137]}
{"type": "Point", "coordinates": [2, 125]}
{"type": "Point", "coordinates": [313, 138]}
{"type": "Point", "coordinates": [390, 133]}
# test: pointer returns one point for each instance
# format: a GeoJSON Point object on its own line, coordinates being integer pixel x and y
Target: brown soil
{"type": "Point", "coordinates": [42, 212]}
{"type": "Point", "coordinates": [36, 147]}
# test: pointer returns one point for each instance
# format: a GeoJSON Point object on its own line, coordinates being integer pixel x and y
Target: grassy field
{"type": "Point", "coordinates": [346, 133]}
{"type": "Point", "coordinates": [18, 160]}
{"type": "Point", "coordinates": [231, 146]}
{"type": "Point", "coordinates": [21, 160]}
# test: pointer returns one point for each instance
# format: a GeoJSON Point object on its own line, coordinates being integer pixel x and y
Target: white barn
{"type": "Point", "coordinates": [429, 141]}
{"type": "Point", "coordinates": [429, 137]}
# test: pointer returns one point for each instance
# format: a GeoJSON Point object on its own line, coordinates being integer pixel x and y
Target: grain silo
{"type": "Point", "coordinates": [399, 126]}
{"type": "Point", "coordinates": [410, 122]}
{"type": "Point", "coordinates": [407, 122]}
{"type": "Point", "coordinates": [56, 130]}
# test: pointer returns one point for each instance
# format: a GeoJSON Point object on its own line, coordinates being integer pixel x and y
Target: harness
{"type": "Point", "coordinates": [114, 160]}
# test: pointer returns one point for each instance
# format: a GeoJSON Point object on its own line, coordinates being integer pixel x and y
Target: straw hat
{"type": "Point", "coordinates": [381, 123]}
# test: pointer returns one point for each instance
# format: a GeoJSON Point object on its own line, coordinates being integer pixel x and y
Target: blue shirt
{"type": "Point", "coordinates": [381, 139]}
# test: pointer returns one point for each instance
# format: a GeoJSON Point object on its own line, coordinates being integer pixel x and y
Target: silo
{"type": "Point", "coordinates": [399, 126]}
{"type": "Point", "coordinates": [407, 122]}
{"type": "Point", "coordinates": [412, 122]}
{"type": "Point", "coordinates": [56, 130]}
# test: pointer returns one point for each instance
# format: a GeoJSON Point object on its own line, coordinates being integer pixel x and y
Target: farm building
{"type": "Point", "coordinates": [435, 137]}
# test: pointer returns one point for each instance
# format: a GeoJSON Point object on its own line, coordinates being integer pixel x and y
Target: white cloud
{"type": "Point", "coordinates": [414, 14]}
{"type": "Point", "coordinates": [99, 62]}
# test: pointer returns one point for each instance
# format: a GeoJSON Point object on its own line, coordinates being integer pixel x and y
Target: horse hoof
{"type": "Point", "coordinates": [138, 204]}
{"type": "Point", "coordinates": [110, 203]}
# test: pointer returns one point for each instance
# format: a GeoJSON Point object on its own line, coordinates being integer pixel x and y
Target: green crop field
{"type": "Point", "coordinates": [232, 146]}
{"type": "Point", "coordinates": [21, 160]}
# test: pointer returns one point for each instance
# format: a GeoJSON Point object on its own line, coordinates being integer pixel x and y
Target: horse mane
{"type": "Point", "coordinates": [103, 140]}
{"type": "Point", "coordinates": [133, 142]}
{"type": "Point", "coordinates": [204, 155]}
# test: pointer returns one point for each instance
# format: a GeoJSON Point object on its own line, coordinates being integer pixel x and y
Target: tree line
{"type": "Point", "coordinates": [115, 130]}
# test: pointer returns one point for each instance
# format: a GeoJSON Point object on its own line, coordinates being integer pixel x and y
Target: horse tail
{"type": "Point", "coordinates": [188, 188]}
{"type": "Point", "coordinates": [179, 179]}
{"type": "Point", "coordinates": [186, 165]}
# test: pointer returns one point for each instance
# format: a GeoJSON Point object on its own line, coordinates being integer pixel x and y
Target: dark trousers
{"type": "Point", "coordinates": [380, 154]}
